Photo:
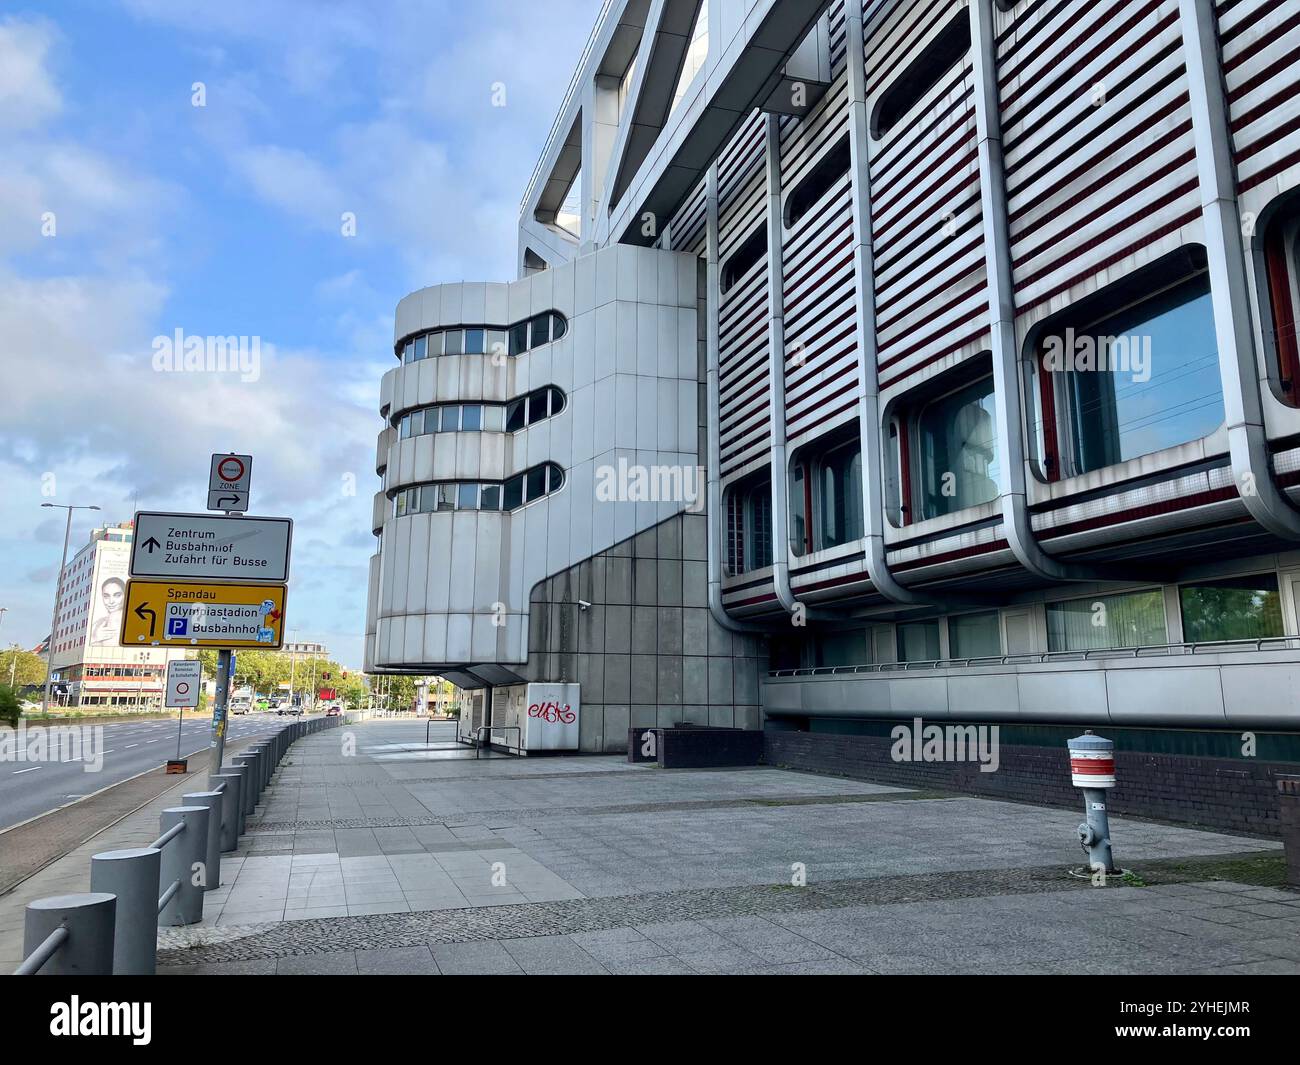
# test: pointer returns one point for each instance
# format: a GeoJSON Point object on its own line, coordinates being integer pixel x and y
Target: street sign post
{"type": "Point", "coordinates": [181, 614]}
{"type": "Point", "coordinates": [229, 483]}
{"type": "Point", "coordinates": [184, 677]}
{"type": "Point", "coordinates": [210, 547]}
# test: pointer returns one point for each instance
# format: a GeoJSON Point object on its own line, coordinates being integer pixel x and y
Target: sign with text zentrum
{"type": "Point", "coordinates": [211, 547]}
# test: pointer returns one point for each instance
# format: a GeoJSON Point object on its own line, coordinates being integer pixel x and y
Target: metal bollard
{"type": "Point", "coordinates": [263, 752]}
{"type": "Point", "coordinates": [231, 815]}
{"type": "Point", "coordinates": [212, 853]}
{"type": "Point", "coordinates": [87, 946]}
{"type": "Point", "coordinates": [132, 875]}
{"type": "Point", "coordinates": [181, 858]}
{"type": "Point", "coordinates": [1092, 768]}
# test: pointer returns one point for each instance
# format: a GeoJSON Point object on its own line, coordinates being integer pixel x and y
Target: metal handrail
{"type": "Point", "coordinates": [1283, 643]}
{"type": "Point", "coordinates": [36, 960]}
{"type": "Point", "coordinates": [168, 836]}
{"type": "Point", "coordinates": [169, 894]}
{"type": "Point", "coordinates": [489, 729]}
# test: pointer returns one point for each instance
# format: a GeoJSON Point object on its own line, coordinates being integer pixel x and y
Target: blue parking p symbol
{"type": "Point", "coordinates": [178, 626]}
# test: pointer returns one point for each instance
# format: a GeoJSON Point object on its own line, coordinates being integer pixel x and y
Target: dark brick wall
{"type": "Point", "coordinates": [1231, 795]}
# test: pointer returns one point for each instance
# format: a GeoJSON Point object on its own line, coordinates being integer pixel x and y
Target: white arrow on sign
{"type": "Point", "coordinates": [211, 547]}
{"type": "Point", "coordinates": [229, 482]}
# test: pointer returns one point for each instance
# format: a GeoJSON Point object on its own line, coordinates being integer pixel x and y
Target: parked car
{"type": "Point", "coordinates": [334, 711]}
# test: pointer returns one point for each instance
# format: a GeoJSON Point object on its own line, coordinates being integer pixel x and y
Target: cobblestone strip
{"type": "Point", "coordinates": [523, 813]}
{"type": "Point", "coordinates": [326, 935]}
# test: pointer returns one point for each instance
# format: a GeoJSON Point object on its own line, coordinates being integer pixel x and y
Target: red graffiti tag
{"type": "Point", "coordinates": [553, 712]}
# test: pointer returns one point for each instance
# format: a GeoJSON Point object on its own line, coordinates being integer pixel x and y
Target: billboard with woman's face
{"type": "Point", "coordinates": [107, 597]}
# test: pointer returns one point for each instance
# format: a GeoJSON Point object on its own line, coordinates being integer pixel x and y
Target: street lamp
{"type": "Point", "coordinates": [58, 596]}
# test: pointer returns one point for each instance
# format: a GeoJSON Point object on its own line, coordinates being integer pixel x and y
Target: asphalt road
{"type": "Point", "coordinates": [31, 788]}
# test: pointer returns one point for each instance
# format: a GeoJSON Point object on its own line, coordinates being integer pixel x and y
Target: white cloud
{"type": "Point", "coordinates": [28, 96]}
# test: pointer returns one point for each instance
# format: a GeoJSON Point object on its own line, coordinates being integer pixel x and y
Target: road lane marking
{"type": "Point", "coordinates": [20, 772]}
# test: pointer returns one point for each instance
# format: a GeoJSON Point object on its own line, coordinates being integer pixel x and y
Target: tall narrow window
{"type": "Point", "coordinates": [839, 487]}
{"type": "Point", "coordinates": [744, 258]}
{"type": "Point", "coordinates": [957, 454]}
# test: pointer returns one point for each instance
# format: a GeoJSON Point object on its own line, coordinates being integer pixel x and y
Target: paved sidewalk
{"type": "Point", "coordinates": [375, 854]}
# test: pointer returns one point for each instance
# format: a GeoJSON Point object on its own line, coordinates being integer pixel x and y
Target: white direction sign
{"type": "Point", "coordinates": [210, 547]}
{"type": "Point", "coordinates": [229, 483]}
{"type": "Point", "coordinates": [184, 678]}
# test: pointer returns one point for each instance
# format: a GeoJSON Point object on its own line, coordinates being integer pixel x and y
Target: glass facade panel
{"type": "Point", "coordinates": [536, 483]}
{"type": "Point", "coordinates": [1139, 381]}
{"type": "Point", "coordinates": [421, 347]}
{"type": "Point", "coordinates": [467, 497]}
{"type": "Point", "coordinates": [513, 494]}
{"type": "Point", "coordinates": [541, 331]}
{"type": "Point", "coordinates": [918, 641]}
{"type": "Point", "coordinates": [974, 636]}
{"type": "Point", "coordinates": [958, 463]}
{"type": "Point", "coordinates": [840, 491]}
{"type": "Point", "coordinates": [1129, 619]}
{"type": "Point", "coordinates": [454, 342]}
{"type": "Point", "coordinates": [491, 498]}
{"type": "Point", "coordinates": [1240, 608]}
{"type": "Point", "coordinates": [471, 418]}
{"type": "Point", "coordinates": [474, 340]}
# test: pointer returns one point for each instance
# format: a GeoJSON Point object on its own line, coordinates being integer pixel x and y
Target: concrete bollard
{"type": "Point", "coordinates": [246, 767]}
{"type": "Point", "coordinates": [181, 859]}
{"type": "Point", "coordinates": [132, 875]}
{"type": "Point", "coordinates": [87, 948]}
{"type": "Point", "coordinates": [212, 853]}
{"type": "Point", "coordinates": [253, 757]}
{"type": "Point", "coordinates": [232, 816]}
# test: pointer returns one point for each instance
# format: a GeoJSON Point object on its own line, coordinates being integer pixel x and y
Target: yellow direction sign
{"type": "Point", "coordinates": [185, 614]}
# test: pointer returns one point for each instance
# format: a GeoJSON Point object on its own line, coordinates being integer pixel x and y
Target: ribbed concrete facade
{"type": "Point", "coordinates": [990, 311]}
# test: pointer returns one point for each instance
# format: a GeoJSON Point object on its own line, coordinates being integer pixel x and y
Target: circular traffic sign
{"type": "Point", "coordinates": [182, 688]}
{"type": "Point", "coordinates": [230, 469]}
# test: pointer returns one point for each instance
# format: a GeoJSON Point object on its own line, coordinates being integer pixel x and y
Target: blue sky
{"type": "Point", "coordinates": [127, 212]}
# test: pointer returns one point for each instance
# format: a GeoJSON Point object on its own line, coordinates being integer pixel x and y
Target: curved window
{"type": "Point", "coordinates": [518, 491]}
{"type": "Point", "coordinates": [829, 169]}
{"type": "Point", "coordinates": [483, 417]}
{"type": "Point", "coordinates": [943, 53]}
{"type": "Point", "coordinates": [744, 258]}
{"type": "Point", "coordinates": [1131, 371]}
{"type": "Point", "coordinates": [485, 340]}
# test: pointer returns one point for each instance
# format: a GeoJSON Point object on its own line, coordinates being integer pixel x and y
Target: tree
{"type": "Point", "coordinates": [27, 668]}
{"type": "Point", "coordinates": [10, 707]}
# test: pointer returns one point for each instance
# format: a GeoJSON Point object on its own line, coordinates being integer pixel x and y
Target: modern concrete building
{"type": "Point", "coordinates": [978, 320]}
{"type": "Point", "coordinates": [92, 668]}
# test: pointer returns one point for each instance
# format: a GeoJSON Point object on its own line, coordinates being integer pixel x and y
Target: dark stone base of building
{"type": "Point", "coordinates": [696, 748]}
{"type": "Point", "coordinates": [1229, 795]}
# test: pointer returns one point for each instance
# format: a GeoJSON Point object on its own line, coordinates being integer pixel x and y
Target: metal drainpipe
{"type": "Point", "coordinates": [1229, 292]}
{"type": "Point", "coordinates": [712, 398]}
{"type": "Point", "coordinates": [776, 374]}
{"type": "Point", "coordinates": [873, 496]}
{"type": "Point", "coordinates": [1013, 491]}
